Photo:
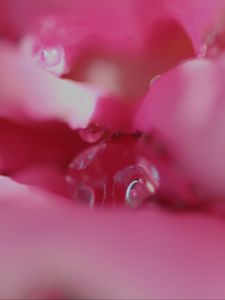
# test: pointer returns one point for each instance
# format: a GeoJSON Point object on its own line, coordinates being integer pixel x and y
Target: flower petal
{"type": "Point", "coordinates": [50, 98]}
{"type": "Point", "coordinates": [186, 106]}
{"type": "Point", "coordinates": [23, 146]}
{"type": "Point", "coordinates": [126, 22]}
{"type": "Point", "coordinates": [46, 240]}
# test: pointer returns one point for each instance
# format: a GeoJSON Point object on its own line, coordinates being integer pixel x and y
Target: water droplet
{"type": "Point", "coordinates": [93, 133]}
{"type": "Point", "coordinates": [85, 195]}
{"type": "Point", "coordinates": [51, 56]}
{"type": "Point", "coordinates": [109, 168]}
{"type": "Point", "coordinates": [137, 183]}
{"type": "Point", "coordinates": [137, 193]}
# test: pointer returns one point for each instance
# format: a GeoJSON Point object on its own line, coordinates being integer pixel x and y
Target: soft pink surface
{"type": "Point", "coordinates": [162, 255]}
{"type": "Point", "coordinates": [186, 106]}
{"type": "Point", "coordinates": [46, 239]}
{"type": "Point", "coordinates": [136, 17]}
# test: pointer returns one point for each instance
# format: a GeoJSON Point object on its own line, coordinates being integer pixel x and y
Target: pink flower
{"type": "Point", "coordinates": [75, 73]}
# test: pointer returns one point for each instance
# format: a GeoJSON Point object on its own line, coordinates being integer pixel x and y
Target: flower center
{"type": "Point", "coordinates": [129, 171]}
{"type": "Point", "coordinates": [113, 172]}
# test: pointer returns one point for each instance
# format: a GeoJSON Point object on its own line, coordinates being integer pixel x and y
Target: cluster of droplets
{"type": "Point", "coordinates": [127, 171]}
{"type": "Point", "coordinates": [112, 172]}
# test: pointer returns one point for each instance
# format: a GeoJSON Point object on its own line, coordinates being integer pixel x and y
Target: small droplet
{"type": "Point", "coordinates": [137, 193]}
{"type": "Point", "coordinates": [85, 195]}
{"type": "Point", "coordinates": [93, 133]}
{"type": "Point", "coordinates": [139, 182]}
{"type": "Point", "coordinates": [51, 56]}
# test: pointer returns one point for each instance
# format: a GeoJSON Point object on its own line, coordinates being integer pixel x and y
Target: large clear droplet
{"type": "Point", "coordinates": [137, 183]}
{"type": "Point", "coordinates": [93, 133]}
{"type": "Point", "coordinates": [138, 193]}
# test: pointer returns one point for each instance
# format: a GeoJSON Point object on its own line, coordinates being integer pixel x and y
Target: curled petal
{"type": "Point", "coordinates": [37, 95]}
{"type": "Point", "coordinates": [187, 107]}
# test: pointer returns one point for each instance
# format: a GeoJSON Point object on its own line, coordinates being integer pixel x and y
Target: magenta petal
{"type": "Point", "coordinates": [46, 241]}
{"type": "Point", "coordinates": [37, 95]}
{"type": "Point", "coordinates": [186, 107]}
{"type": "Point", "coordinates": [126, 22]}
{"type": "Point", "coordinates": [22, 146]}
{"type": "Point", "coordinates": [47, 177]}
{"type": "Point", "coordinates": [197, 17]}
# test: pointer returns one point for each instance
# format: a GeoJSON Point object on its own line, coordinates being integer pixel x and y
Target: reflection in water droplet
{"type": "Point", "coordinates": [85, 195]}
{"type": "Point", "coordinates": [52, 59]}
{"type": "Point", "coordinates": [51, 56]}
{"type": "Point", "coordinates": [137, 193]}
{"type": "Point", "coordinates": [140, 183]}
{"type": "Point", "coordinates": [93, 133]}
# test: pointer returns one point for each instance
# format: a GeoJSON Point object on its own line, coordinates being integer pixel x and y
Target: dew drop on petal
{"type": "Point", "coordinates": [137, 193]}
{"type": "Point", "coordinates": [51, 56]}
{"type": "Point", "coordinates": [93, 133]}
{"type": "Point", "coordinates": [137, 183]}
{"type": "Point", "coordinates": [52, 59]}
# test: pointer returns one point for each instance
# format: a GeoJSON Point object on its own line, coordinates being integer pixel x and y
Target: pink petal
{"type": "Point", "coordinates": [186, 107]}
{"type": "Point", "coordinates": [196, 17]}
{"type": "Point", "coordinates": [126, 22]}
{"type": "Point", "coordinates": [150, 254]}
{"type": "Point", "coordinates": [48, 143]}
{"type": "Point", "coordinates": [28, 92]}
{"type": "Point", "coordinates": [47, 177]}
